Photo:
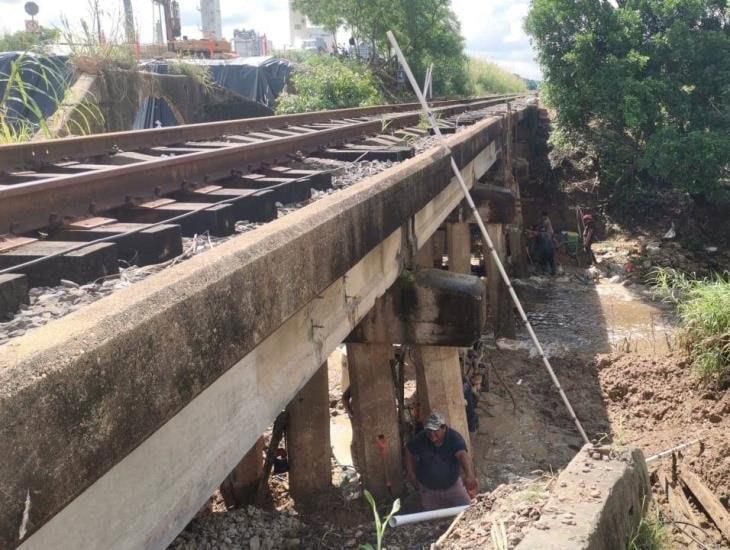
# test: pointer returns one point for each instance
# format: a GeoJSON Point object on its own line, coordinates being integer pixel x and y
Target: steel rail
{"type": "Point", "coordinates": [28, 206]}
{"type": "Point", "coordinates": [35, 154]}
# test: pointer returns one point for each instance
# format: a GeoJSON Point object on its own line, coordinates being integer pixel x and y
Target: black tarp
{"type": "Point", "coordinates": [41, 89]}
{"type": "Point", "coordinates": [258, 78]}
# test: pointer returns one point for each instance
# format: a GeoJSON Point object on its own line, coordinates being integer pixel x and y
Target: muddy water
{"type": "Point", "coordinates": [573, 316]}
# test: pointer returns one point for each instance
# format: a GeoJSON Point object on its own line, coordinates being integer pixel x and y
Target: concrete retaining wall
{"type": "Point", "coordinates": [597, 504]}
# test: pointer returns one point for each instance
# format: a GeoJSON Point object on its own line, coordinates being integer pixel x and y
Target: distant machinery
{"type": "Point", "coordinates": [250, 43]}
{"type": "Point", "coordinates": [210, 45]}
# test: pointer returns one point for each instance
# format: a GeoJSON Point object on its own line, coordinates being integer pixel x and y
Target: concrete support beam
{"type": "Point", "coordinates": [604, 501]}
{"type": "Point", "coordinates": [495, 205]}
{"type": "Point", "coordinates": [427, 307]}
{"type": "Point", "coordinates": [500, 305]}
{"type": "Point", "coordinates": [239, 488]}
{"type": "Point", "coordinates": [440, 387]}
{"type": "Point", "coordinates": [308, 440]}
{"type": "Point", "coordinates": [458, 239]}
{"type": "Point", "coordinates": [375, 419]}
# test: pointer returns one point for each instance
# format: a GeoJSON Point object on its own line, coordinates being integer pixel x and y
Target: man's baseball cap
{"type": "Point", "coordinates": [434, 421]}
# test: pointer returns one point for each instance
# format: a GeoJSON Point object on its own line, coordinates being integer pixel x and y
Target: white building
{"type": "Point", "coordinates": [210, 16]}
{"type": "Point", "coordinates": [302, 33]}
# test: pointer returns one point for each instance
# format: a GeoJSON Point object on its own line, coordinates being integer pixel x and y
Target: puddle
{"type": "Point", "coordinates": [570, 316]}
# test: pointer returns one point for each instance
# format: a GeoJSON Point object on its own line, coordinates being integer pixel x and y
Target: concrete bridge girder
{"type": "Point", "coordinates": [168, 446]}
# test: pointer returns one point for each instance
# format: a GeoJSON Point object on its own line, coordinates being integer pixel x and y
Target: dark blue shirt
{"type": "Point", "coordinates": [437, 468]}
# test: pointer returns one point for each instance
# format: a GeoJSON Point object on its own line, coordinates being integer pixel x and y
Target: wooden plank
{"type": "Point", "coordinates": [707, 499]}
{"type": "Point", "coordinates": [680, 509]}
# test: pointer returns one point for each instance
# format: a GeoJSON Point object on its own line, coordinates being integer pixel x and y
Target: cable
{"type": "Point", "coordinates": [485, 235]}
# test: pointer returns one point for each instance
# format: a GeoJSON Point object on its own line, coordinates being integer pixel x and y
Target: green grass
{"type": "Point", "coordinates": [704, 311]}
{"type": "Point", "coordinates": [199, 73]}
{"type": "Point", "coordinates": [651, 533]}
{"type": "Point", "coordinates": [486, 77]}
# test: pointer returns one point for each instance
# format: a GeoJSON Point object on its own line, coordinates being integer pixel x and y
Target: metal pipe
{"type": "Point", "coordinates": [670, 451]}
{"type": "Point", "coordinates": [405, 519]}
{"type": "Point", "coordinates": [484, 233]}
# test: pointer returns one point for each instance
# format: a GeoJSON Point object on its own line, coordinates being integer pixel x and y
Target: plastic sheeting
{"type": "Point", "coordinates": [258, 78]}
{"type": "Point", "coordinates": [45, 79]}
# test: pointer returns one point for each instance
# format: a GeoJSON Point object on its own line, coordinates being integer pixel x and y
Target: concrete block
{"type": "Point", "coordinates": [150, 246]}
{"type": "Point", "coordinates": [13, 292]}
{"type": "Point", "coordinates": [596, 505]}
{"type": "Point", "coordinates": [80, 266]}
{"type": "Point", "coordinates": [428, 307]}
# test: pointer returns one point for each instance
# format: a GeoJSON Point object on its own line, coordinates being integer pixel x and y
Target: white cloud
{"type": "Point", "coordinates": [492, 28]}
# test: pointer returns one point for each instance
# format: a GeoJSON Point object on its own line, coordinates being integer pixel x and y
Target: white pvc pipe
{"type": "Point", "coordinates": [405, 519]}
{"type": "Point", "coordinates": [487, 239]}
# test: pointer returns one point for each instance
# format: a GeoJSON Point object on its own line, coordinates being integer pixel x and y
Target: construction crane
{"type": "Point", "coordinates": [171, 11]}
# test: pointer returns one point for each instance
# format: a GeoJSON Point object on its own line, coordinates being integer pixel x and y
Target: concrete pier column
{"type": "Point", "coordinates": [239, 488]}
{"type": "Point", "coordinates": [517, 251]}
{"type": "Point", "coordinates": [500, 305]}
{"type": "Point", "coordinates": [440, 387]}
{"type": "Point", "coordinates": [458, 238]}
{"type": "Point", "coordinates": [375, 419]}
{"type": "Point", "coordinates": [308, 440]}
{"type": "Point", "coordinates": [426, 254]}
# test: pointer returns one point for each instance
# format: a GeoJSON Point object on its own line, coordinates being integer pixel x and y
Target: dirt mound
{"type": "Point", "coordinates": [504, 514]}
{"type": "Point", "coordinates": [656, 403]}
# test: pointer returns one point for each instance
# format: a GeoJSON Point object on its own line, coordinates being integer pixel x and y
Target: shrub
{"type": "Point", "coordinates": [323, 83]}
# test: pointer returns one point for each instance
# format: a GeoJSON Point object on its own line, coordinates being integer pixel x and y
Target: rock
{"type": "Point", "coordinates": [68, 284]}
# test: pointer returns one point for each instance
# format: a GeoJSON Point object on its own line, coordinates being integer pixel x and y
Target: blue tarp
{"type": "Point", "coordinates": [45, 79]}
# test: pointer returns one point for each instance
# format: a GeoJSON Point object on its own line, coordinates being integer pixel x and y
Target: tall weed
{"type": "Point", "coordinates": [486, 77]}
{"type": "Point", "coordinates": [704, 310]}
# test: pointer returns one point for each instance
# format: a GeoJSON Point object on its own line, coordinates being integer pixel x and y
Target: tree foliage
{"type": "Point", "coordinates": [645, 83]}
{"type": "Point", "coordinates": [22, 41]}
{"type": "Point", "coordinates": [323, 82]}
{"type": "Point", "coordinates": [427, 30]}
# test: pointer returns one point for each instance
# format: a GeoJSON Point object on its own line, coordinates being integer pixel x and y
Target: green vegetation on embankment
{"type": "Point", "coordinates": [643, 86]}
{"type": "Point", "coordinates": [704, 311]}
{"type": "Point", "coordinates": [486, 77]}
{"type": "Point", "coordinates": [322, 82]}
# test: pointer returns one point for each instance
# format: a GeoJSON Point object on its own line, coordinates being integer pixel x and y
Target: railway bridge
{"type": "Point", "coordinates": [118, 421]}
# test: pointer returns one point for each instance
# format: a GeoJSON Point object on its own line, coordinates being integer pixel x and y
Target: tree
{"type": "Point", "coordinates": [22, 41]}
{"type": "Point", "coordinates": [645, 83]}
{"type": "Point", "coordinates": [427, 30]}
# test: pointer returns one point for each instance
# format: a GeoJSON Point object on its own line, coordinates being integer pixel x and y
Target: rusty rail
{"type": "Point", "coordinates": [28, 206]}
{"type": "Point", "coordinates": [35, 154]}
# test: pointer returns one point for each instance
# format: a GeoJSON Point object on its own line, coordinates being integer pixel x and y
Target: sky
{"type": "Point", "coordinates": [492, 28]}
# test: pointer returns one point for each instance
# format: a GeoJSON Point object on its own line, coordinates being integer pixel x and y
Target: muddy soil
{"type": "Point", "coordinates": [614, 353]}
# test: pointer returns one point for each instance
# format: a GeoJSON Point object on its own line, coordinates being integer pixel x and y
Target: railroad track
{"type": "Point", "coordinates": [71, 208]}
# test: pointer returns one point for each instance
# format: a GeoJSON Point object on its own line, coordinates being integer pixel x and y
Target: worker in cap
{"type": "Point", "coordinates": [439, 466]}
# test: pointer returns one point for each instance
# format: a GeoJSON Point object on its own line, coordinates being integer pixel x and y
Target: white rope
{"type": "Point", "coordinates": [485, 235]}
